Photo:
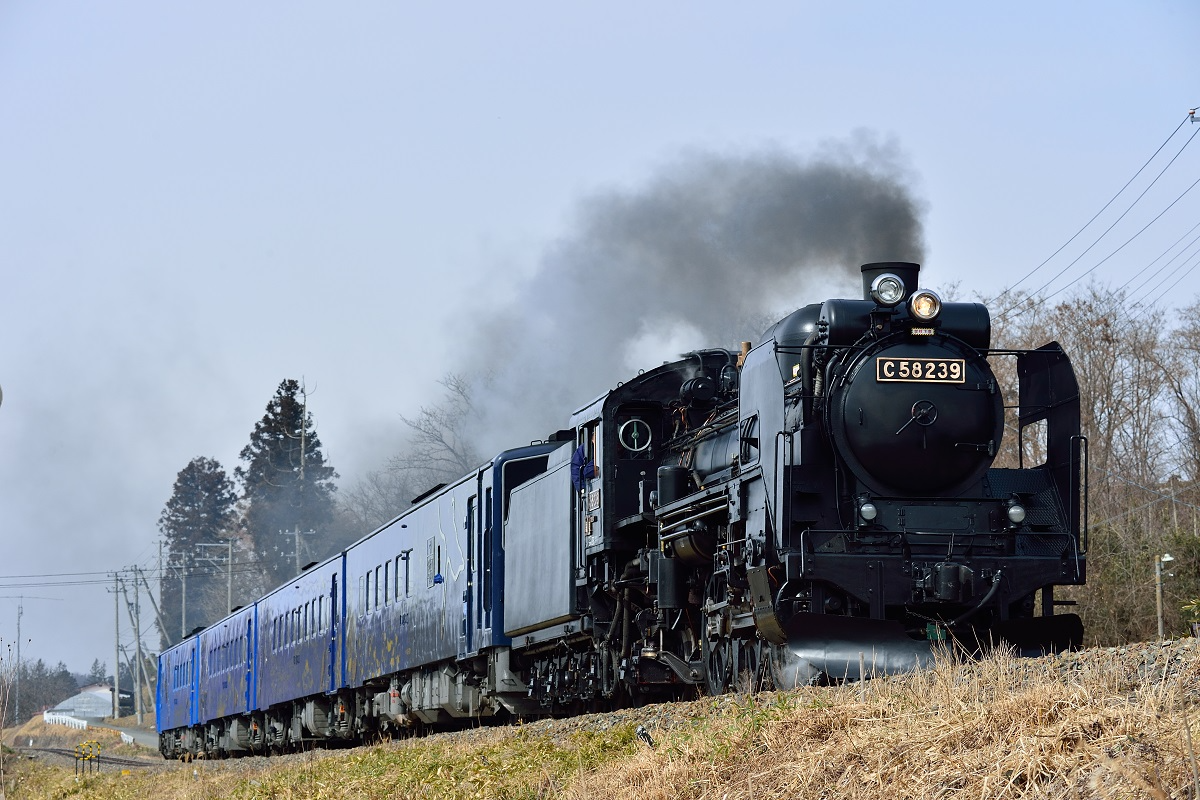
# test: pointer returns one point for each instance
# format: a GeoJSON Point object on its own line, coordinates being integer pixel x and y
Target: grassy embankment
{"type": "Point", "coordinates": [1105, 724]}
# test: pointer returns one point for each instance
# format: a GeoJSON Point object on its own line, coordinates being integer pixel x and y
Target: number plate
{"type": "Point", "coordinates": [921, 370]}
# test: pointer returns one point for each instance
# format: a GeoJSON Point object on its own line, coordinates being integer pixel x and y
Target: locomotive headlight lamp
{"type": "Point", "coordinates": [868, 512]}
{"type": "Point", "coordinates": [1016, 513]}
{"type": "Point", "coordinates": [887, 290]}
{"type": "Point", "coordinates": [925, 305]}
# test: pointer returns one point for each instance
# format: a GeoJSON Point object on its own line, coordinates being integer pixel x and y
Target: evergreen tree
{"type": "Point", "coordinates": [200, 511]}
{"type": "Point", "coordinates": [287, 487]}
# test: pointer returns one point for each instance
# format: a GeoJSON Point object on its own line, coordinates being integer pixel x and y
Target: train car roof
{"type": "Point", "coordinates": [534, 449]}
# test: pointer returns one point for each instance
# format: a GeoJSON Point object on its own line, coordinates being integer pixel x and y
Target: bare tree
{"type": "Point", "coordinates": [1140, 396]}
{"type": "Point", "coordinates": [377, 498]}
{"type": "Point", "coordinates": [440, 448]}
{"type": "Point", "coordinates": [1180, 368]}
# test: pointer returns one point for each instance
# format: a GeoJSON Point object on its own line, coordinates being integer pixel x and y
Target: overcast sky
{"type": "Point", "coordinates": [198, 200]}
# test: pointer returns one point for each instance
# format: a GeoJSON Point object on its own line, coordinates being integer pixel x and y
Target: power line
{"type": "Point", "coordinates": [1190, 116]}
{"type": "Point", "coordinates": [1151, 277]}
{"type": "Point", "coordinates": [8, 582]}
{"type": "Point", "coordinates": [1195, 259]}
{"type": "Point", "coordinates": [1038, 301]}
{"type": "Point", "coordinates": [1122, 246]}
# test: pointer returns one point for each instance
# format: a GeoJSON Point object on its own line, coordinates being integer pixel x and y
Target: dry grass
{"type": "Point", "coordinates": [1106, 724]}
{"type": "Point", "coordinates": [1003, 728]}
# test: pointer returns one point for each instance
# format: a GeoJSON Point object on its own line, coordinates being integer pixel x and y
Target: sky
{"type": "Point", "coordinates": [200, 200]}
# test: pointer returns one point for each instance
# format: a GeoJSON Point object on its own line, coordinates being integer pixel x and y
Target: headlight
{"type": "Point", "coordinates": [868, 512]}
{"type": "Point", "coordinates": [887, 289]}
{"type": "Point", "coordinates": [925, 305]}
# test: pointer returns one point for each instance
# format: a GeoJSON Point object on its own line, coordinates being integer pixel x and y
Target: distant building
{"type": "Point", "coordinates": [93, 701]}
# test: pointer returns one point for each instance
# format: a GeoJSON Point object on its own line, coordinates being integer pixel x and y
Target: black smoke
{"type": "Point", "coordinates": [709, 251]}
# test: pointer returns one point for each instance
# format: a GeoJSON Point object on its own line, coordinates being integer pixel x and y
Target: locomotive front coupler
{"type": "Point", "coordinates": [987, 598]}
{"type": "Point", "coordinates": [946, 582]}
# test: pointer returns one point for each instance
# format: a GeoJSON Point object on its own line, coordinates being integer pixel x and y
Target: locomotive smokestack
{"type": "Point", "coordinates": [904, 270]}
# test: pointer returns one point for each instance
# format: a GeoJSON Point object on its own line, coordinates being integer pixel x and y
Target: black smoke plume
{"type": "Point", "coordinates": [706, 254]}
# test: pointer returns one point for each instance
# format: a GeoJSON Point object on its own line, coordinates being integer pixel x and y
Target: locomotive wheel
{"type": "Point", "coordinates": [751, 667]}
{"type": "Point", "coordinates": [718, 664]}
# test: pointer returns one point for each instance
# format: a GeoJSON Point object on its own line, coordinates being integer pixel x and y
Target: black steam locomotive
{"type": "Point", "coordinates": [822, 506]}
{"type": "Point", "coordinates": [827, 502]}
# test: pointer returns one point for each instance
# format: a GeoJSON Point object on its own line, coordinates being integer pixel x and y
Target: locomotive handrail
{"type": "Point", "coordinates": [797, 349]}
{"type": "Point", "coordinates": [1080, 446]}
{"type": "Point", "coordinates": [710, 507]}
{"type": "Point", "coordinates": [1075, 547]}
{"type": "Point", "coordinates": [689, 501]}
{"type": "Point", "coordinates": [785, 458]}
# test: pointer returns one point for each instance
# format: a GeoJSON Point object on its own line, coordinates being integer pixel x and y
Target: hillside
{"type": "Point", "coordinates": [1102, 723]}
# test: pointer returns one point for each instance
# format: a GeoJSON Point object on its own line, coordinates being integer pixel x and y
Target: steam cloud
{"type": "Point", "coordinates": [708, 253]}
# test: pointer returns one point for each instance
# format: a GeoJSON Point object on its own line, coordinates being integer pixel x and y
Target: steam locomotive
{"type": "Point", "coordinates": [823, 506]}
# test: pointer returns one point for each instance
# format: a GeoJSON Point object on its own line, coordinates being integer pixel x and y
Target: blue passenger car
{"type": "Point", "coordinates": [226, 686]}
{"type": "Point", "coordinates": [177, 706]}
{"type": "Point", "coordinates": [226, 653]}
{"type": "Point", "coordinates": [408, 589]}
{"type": "Point", "coordinates": [300, 656]}
{"type": "Point", "coordinates": [425, 600]}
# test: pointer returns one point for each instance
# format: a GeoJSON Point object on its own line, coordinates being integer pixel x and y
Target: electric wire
{"type": "Point", "coordinates": [1152, 276]}
{"type": "Point", "coordinates": [1122, 246]}
{"type": "Point", "coordinates": [1195, 258]}
{"type": "Point", "coordinates": [1101, 211]}
{"type": "Point", "coordinates": [1158, 497]}
{"type": "Point", "coordinates": [8, 582]}
{"type": "Point", "coordinates": [1038, 300]}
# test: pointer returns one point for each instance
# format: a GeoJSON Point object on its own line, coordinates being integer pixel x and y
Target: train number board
{"type": "Point", "coordinates": [921, 370]}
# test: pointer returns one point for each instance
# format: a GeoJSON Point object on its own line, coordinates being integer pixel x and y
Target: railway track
{"type": "Point", "coordinates": [97, 762]}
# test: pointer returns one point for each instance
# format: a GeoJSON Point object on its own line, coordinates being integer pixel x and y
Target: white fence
{"type": "Point", "coordinates": [53, 718]}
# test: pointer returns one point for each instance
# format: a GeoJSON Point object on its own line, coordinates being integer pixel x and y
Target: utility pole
{"type": "Point", "coordinates": [296, 534]}
{"type": "Point", "coordinates": [116, 689]}
{"type": "Point", "coordinates": [134, 610]}
{"type": "Point", "coordinates": [20, 611]}
{"type": "Point", "coordinates": [137, 632]}
{"type": "Point", "coordinates": [228, 568]}
{"type": "Point", "coordinates": [162, 625]}
{"type": "Point", "coordinates": [20, 598]}
{"type": "Point", "coordinates": [1165, 558]}
{"type": "Point", "coordinates": [303, 430]}
{"type": "Point", "coordinates": [182, 567]}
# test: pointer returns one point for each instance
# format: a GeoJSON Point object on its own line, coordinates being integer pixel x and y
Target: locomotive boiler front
{"type": "Point", "coordinates": [916, 415]}
{"type": "Point", "coordinates": [910, 404]}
